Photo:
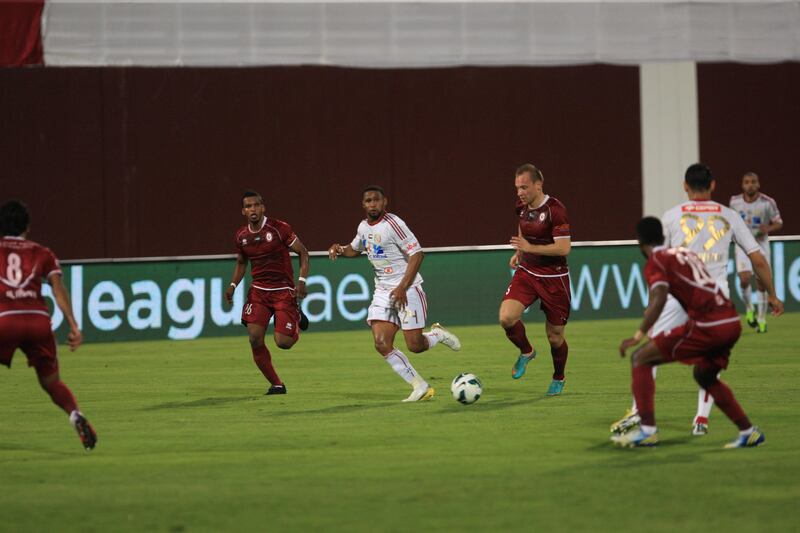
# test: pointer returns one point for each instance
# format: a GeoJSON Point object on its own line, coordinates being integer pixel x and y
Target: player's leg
{"type": "Point", "coordinates": [287, 319]}
{"type": "Point", "coordinates": [384, 320]}
{"type": "Point", "coordinates": [413, 319]}
{"type": "Point", "coordinates": [383, 333]}
{"type": "Point", "coordinates": [705, 401]}
{"type": "Point", "coordinates": [256, 315]}
{"type": "Point", "coordinates": [40, 348]}
{"type": "Point", "coordinates": [707, 376]}
{"type": "Point", "coordinates": [744, 269]}
{"type": "Point", "coordinates": [672, 316]}
{"type": "Point", "coordinates": [559, 350]}
{"type": "Point", "coordinates": [643, 385]}
{"type": "Point", "coordinates": [763, 303]}
{"type": "Point", "coordinates": [519, 295]}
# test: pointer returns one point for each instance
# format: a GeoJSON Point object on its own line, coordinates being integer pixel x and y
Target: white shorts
{"type": "Point", "coordinates": [412, 317]}
{"type": "Point", "coordinates": [672, 316]}
{"type": "Point", "coordinates": [743, 263]}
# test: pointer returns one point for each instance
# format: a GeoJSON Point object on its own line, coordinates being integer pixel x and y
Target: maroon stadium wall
{"type": "Point", "coordinates": [121, 162]}
{"type": "Point", "coordinates": [125, 162]}
{"type": "Point", "coordinates": [750, 121]}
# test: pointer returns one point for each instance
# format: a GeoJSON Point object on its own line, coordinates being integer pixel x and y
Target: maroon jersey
{"type": "Point", "coordinates": [23, 266]}
{"type": "Point", "coordinates": [687, 279]}
{"type": "Point", "coordinates": [542, 225]}
{"type": "Point", "coordinates": [268, 252]}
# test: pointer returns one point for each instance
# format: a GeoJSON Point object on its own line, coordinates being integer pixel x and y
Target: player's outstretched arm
{"type": "Point", "coordinates": [657, 299]}
{"type": "Point", "coordinates": [336, 250]}
{"type": "Point", "coordinates": [74, 337]}
{"type": "Point", "coordinates": [238, 273]}
{"type": "Point", "coordinates": [300, 249]}
{"type": "Point", "coordinates": [764, 273]}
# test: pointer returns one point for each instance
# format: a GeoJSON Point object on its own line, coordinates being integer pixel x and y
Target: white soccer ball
{"type": "Point", "coordinates": [466, 388]}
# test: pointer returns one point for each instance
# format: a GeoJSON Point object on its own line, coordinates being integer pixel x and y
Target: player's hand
{"type": "Point", "coordinates": [229, 294]}
{"type": "Point", "coordinates": [301, 289]}
{"type": "Point", "coordinates": [514, 261]}
{"type": "Point", "coordinates": [74, 338]}
{"type": "Point", "coordinates": [627, 343]}
{"type": "Point", "coordinates": [335, 251]}
{"type": "Point", "coordinates": [776, 305]}
{"type": "Point", "coordinates": [519, 243]}
{"type": "Point", "coordinates": [399, 297]}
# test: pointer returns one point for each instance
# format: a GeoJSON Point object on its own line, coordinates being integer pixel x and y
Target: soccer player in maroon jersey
{"type": "Point", "coordinates": [24, 316]}
{"type": "Point", "coordinates": [265, 243]}
{"type": "Point", "coordinates": [704, 341]}
{"type": "Point", "coordinates": [542, 245]}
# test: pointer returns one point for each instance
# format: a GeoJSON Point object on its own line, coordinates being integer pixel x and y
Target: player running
{"type": "Point", "coordinates": [265, 243]}
{"type": "Point", "coordinates": [707, 228]}
{"type": "Point", "coordinates": [705, 340]}
{"type": "Point", "coordinates": [399, 302]}
{"type": "Point", "coordinates": [542, 245]}
{"type": "Point", "coordinates": [760, 214]}
{"type": "Point", "coordinates": [24, 316]}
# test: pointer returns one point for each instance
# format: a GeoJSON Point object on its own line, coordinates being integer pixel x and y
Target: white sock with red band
{"type": "Point", "coordinates": [402, 366]}
{"type": "Point", "coordinates": [433, 339]}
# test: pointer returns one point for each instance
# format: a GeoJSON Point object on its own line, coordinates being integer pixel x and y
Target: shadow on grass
{"type": "Point", "coordinates": [350, 408]}
{"type": "Point", "coordinates": [204, 402]}
{"type": "Point", "coordinates": [21, 447]}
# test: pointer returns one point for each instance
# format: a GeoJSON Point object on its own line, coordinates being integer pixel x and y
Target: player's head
{"type": "Point", "coordinates": [649, 233]}
{"type": "Point", "coordinates": [373, 200]}
{"type": "Point", "coordinates": [750, 184]}
{"type": "Point", "coordinates": [252, 206]}
{"type": "Point", "coordinates": [529, 182]}
{"type": "Point", "coordinates": [14, 218]}
{"type": "Point", "coordinates": [698, 178]}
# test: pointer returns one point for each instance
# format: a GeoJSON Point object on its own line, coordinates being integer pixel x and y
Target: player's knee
{"type": "Point", "coordinates": [637, 358]}
{"type": "Point", "coordinates": [256, 341]}
{"type": "Point", "coordinates": [383, 347]}
{"type": "Point", "coordinates": [705, 377]}
{"type": "Point", "coordinates": [284, 343]}
{"type": "Point", "coordinates": [555, 339]}
{"type": "Point", "coordinates": [417, 345]}
{"type": "Point", "coordinates": [507, 321]}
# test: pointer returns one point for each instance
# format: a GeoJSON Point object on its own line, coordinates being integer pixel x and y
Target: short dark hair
{"type": "Point", "coordinates": [698, 177]}
{"type": "Point", "coordinates": [376, 188]}
{"type": "Point", "coordinates": [14, 218]}
{"type": "Point", "coordinates": [249, 193]}
{"type": "Point", "coordinates": [528, 168]}
{"type": "Point", "coordinates": [649, 231]}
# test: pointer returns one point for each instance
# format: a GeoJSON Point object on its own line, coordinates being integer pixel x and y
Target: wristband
{"type": "Point", "coordinates": [638, 335]}
{"type": "Point", "coordinates": [233, 285]}
{"type": "Point", "coordinates": [301, 278]}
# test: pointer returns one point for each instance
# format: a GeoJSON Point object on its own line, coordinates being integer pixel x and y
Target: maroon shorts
{"type": "Point", "coordinates": [708, 346]}
{"type": "Point", "coordinates": [553, 292]}
{"type": "Point", "coordinates": [261, 306]}
{"type": "Point", "coordinates": [30, 333]}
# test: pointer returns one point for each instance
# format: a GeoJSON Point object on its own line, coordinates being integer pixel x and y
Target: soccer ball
{"type": "Point", "coordinates": [466, 388]}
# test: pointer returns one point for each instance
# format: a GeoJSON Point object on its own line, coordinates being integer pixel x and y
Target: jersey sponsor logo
{"type": "Point", "coordinates": [412, 245]}
{"type": "Point", "coordinates": [542, 216]}
{"type": "Point", "coordinates": [561, 227]}
{"type": "Point", "coordinates": [388, 270]}
{"type": "Point", "coordinates": [701, 208]}
{"type": "Point", "coordinates": [269, 236]}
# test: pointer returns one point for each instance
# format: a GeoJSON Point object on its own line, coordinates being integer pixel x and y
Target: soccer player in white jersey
{"type": "Point", "coordinates": [706, 228]}
{"type": "Point", "coordinates": [760, 214]}
{"type": "Point", "coordinates": [399, 301]}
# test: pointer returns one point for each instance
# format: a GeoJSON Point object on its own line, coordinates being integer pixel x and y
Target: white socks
{"type": "Point", "coordinates": [402, 366]}
{"type": "Point", "coordinates": [747, 432]}
{"type": "Point", "coordinates": [762, 307]}
{"type": "Point", "coordinates": [704, 404]}
{"type": "Point", "coordinates": [433, 339]}
{"type": "Point", "coordinates": [747, 296]}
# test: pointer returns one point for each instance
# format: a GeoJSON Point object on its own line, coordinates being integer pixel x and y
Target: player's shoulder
{"type": "Point", "coordinates": [736, 198]}
{"type": "Point", "coordinates": [768, 199]}
{"type": "Point", "coordinates": [552, 202]}
{"type": "Point", "coordinates": [673, 212]}
{"type": "Point", "coordinates": [397, 224]}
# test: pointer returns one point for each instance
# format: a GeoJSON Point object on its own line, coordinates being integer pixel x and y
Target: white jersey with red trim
{"type": "Point", "coordinates": [762, 210]}
{"type": "Point", "coordinates": [707, 228]}
{"type": "Point", "coordinates": [388, 243]}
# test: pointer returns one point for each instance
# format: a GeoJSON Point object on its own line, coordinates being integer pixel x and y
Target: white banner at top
{"type": "Point", "coordinates": [385, 34]}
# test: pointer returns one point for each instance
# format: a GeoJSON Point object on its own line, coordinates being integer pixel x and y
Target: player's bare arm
{"type": "Point", "coordinates": [764, 229]}
{"type": "Point", "coordinates": [657, 299]}
{"type": "Point", "coordinates": [302, 253]}
{"type": "Point", "coordinates": [515, 259]}
{"type": "Point", "coordinates": [74, 337]}
{"type": "Point", "coordinates": [398, 294]}
{"type": "Point", "coordinates": [764, 273]}
{"type": "Point", "coordinates": [336, 250]}
{"type": "Point", "coordinates": [238, 273]}
{"type": "Point", "coordinates": [561, 247]}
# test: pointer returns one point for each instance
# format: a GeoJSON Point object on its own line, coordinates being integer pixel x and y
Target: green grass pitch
{"type": "Point", "coordinates": [188, 442]}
